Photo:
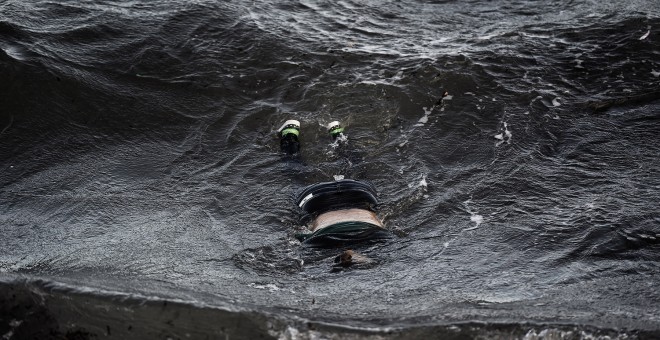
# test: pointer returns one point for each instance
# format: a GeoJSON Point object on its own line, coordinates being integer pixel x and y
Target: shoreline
{"type": "Point", "coordinates": [36, 309]}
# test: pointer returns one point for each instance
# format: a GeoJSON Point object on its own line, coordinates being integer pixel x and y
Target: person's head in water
{"type": "Point", "coordinates": [335, 129]}
{"type": "Point", "coordinates": [288, 133]}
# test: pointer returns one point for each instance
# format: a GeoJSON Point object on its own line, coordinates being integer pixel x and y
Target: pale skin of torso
{"type": "Point", "coordinates": [345, 215]}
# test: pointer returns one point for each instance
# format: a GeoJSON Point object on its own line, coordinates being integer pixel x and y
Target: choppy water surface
{"type": "Point", "coordinates": [139, 158]}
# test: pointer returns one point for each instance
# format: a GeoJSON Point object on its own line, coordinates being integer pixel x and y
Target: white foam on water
{"type": "Point", "coordinates": [271, 287]}
{"type": "Point", "coordinates": [338, 177]}
{"type": "Point", "coordinates": [555, 102]}
{"type": "Point", "coordinates": [423, 183]}
{"type": "Point", "coordinates": [507, 133]}
{"type": "Point", "coordinates": [645, 35]}
{"type": "Point", "coordinates": [425, 118]}
{"type": "Point", "coordinates": [504, 136]}
{"type": "Point", "coordinates": [554, 333]}
{"type": "Point", "coordinates": [291, 333]}
{"type": "Point", "coordinates": [655, 73]}
{"type": "Point", "coordinates": [444, 247]}
{"type": "Point", "coordinates": [478, 219]}
{"type": "Point", "coordinates": [629, 238]}
{"type": "Point", "coordinates": [488, 36]}
{"type": "Point", "coordinates": [342, 138]}
{"type": "Point", "coordinates": [474, 216]}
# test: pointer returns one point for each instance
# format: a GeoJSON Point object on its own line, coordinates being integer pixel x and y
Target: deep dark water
{"type": "Point", "coordinates": [139, 166]}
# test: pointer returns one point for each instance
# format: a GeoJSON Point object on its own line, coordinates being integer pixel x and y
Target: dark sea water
{"type": "Point", "coordinates": [143, 193]}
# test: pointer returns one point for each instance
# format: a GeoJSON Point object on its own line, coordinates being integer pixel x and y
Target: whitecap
{"type": "Point", "coordinates": [14, 52]}
{"type": "Point", "coordinates": [504, 136]}
{"type": "Point", "coordinates": [423, 183]}
{"type": "Point", "coordinates": [271, 287]}
{"type": "Point", "coordinates": [425, 118]}
{"type": "Point", "coordinates": [507, 133]}
{"type": "Point", "coordinates": [477, 219]}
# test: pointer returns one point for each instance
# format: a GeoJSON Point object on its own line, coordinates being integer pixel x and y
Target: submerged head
{"type": "Point", "coordinates": [291, 126]}
{"type": "Point", "coordinates": [335, 129]}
